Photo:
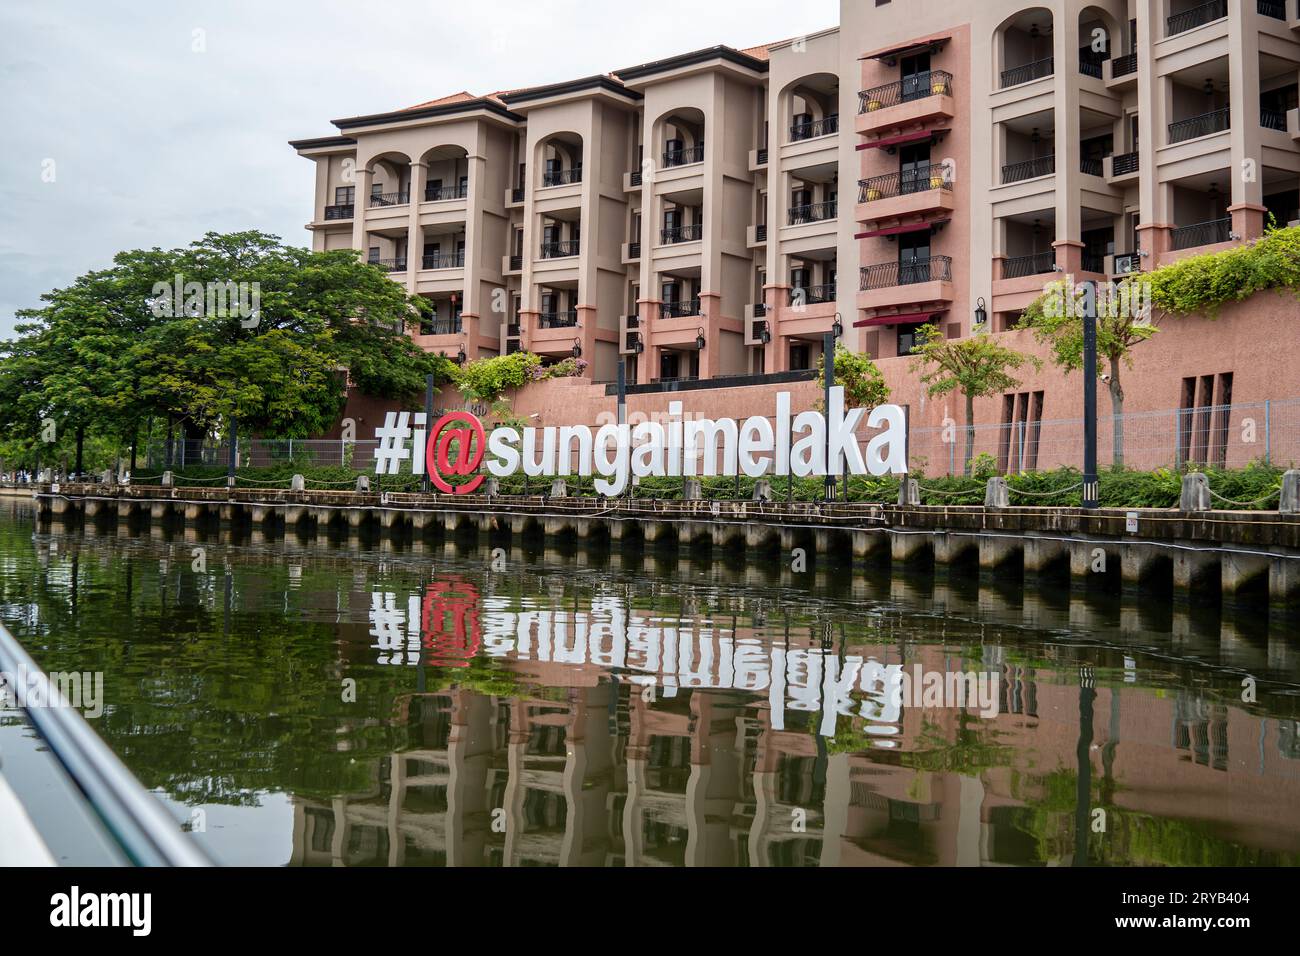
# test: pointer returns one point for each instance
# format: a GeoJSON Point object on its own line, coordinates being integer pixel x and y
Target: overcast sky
{"type": "Point", "coordinates": [147, 123]}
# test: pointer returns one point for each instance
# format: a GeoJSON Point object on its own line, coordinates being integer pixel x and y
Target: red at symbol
{"type": "Point", "coordinates": [470, 445]}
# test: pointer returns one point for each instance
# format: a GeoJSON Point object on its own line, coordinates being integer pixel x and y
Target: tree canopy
{"type": "Point", "coordinates": [118, 347]}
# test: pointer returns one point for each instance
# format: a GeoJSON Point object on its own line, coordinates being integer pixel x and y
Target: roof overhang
{"type": "Point", "coordinates": [323, 142]}
{"type": "Point", "coordinates": [588, 85]}
{"type": "Point", "coordinates": [478, 104]}
{"type": "Point", "coordinates": [723, 54]}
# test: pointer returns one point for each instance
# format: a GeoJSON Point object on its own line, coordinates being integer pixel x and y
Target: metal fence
{"type": "Point", "coordinates": [1225, 436]}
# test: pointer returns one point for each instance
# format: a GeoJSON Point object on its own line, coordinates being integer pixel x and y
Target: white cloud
{"type": "Point", "coordinates": [155, 144]}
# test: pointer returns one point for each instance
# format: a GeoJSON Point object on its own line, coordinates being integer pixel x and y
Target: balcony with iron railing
{"type": "Point", "coordinates": [1201, 234]}
{"type": "Point", "coordinates": [1272, 8]}
{"type": "Point", "coordinates": [1028, 72]}
{"type": "Point", "coordinates": [517, 194]}
{"type": "Point", "coordinates": [760, 232]}
{"type": "Point", "coordinates": [906, 183]}
{"type": "Point", "coordinates": [558, 320]}
{"type": "Point", "coordinates": [631, 341]}
{"type": "Point", "coordinates": [1206, 124]}
{"type": "Point", "coordinates": [1091, 166]}
{"type": "Point", "coordinates": [1039, 263]}
{"type": "Point", "coordinates": [759, 309]}
{"type": "Point", "coordinates": [564, 249]}
{"type": "Point", "coordinates": [813, 212]}
{"type": "Point", "coordinates": [683, 157]}
{"type": "Point", "coordinates": [516, 263]}
{"type": "Point", "coordinates": [1124, 164]}
{"type": "Point", "coordinates": [1093, 262]}
{"type": "Point", "coordinates": [916, 99]}
{"type": "Point", "coordinates": [918, 86]}
{"type": "Point", "coordinates": [812, 129]}
{"type": "Point", "coordinates": [341, 211]}
{"type": "Point", "coordinates": [679, 310]}
{"type": "Point", "coordinates": [815, 294]}
{"type": "Point", "coordinates": [441, 326]}
{"type": "Point", "coordinates": [1195, 17]}
{"type": "Point", "coordinates": [435, 260]}
{"type": "Point", "coordinates": [1125, 65]}
{"type": "Point", "coordinates": [397, 264]}
{"type": "Point", "coordinates": [887, 275]}
{"type": "Point", "coordinates": [379, 200]}
{"type": "Point", "coordinates": [675, 234]}
{"type": "Point", "coordinates": [562, 177]}
{"type": "Point", "coordinates": [1272, 119]}
{"type": "Point", "coordinates": [1091, 63]}
{"type": "Point", "coordinates": [634, 250]}
{"type": "Point", "coordinates": [435, 193]}
{"type": "Point", "coordinates": [1028, 169]}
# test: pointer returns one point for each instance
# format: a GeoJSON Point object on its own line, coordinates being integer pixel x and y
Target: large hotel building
{"type": "Point", "coordinates": [712, 213]}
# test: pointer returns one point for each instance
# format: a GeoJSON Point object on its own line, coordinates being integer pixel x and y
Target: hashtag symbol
{"type": "Point", "coordinates": [392, 436]}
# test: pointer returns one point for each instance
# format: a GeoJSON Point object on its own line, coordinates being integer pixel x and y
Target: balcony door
{"type": "Point", "coordinates": [914, 258]}
{"type": "Point", "coordinates": [914, 168]}
{"type": "Point", "coordinates": [916, 76]}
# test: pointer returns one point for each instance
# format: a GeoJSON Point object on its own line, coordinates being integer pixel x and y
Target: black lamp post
{"type": "Point", "coordinates": [1090, 489]}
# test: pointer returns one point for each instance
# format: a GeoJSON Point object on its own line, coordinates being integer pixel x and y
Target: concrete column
{"type": "Point", "coordinates": [1194, 570]}
{"type": "Point", "coordinates": [1238, 572]}
{"type": "Point", "coordinates": [950, 548]}
{"type": "Point", "coordinates": [998, 552]}
{"type": "Point", "coordinates": [1284, 581]}
{"type": "Point", "coordinates": [414, 235]}
{"type": "Point", "coordinates": [1040, 553]}
{"type": "Point", "coordinates": [908, 548]}
{"type": "Point", "coordinates": [1138, 563]}
{"type": "Point", "coordinates": [365, 176]}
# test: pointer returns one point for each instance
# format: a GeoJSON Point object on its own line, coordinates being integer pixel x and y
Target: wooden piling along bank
{"type": "Point", "coordinates": [1251, 556]}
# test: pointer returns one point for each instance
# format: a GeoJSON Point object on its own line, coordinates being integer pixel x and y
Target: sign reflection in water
{"type": "Point", "coordinates": [627, 709]}
{"type": "Point", "coordinates": [442, 628]}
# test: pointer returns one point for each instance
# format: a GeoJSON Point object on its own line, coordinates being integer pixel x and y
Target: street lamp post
{"type": "Point", "coordinates": [1090, 496]}
{"type": "Point", "coordinates": [828, 362]}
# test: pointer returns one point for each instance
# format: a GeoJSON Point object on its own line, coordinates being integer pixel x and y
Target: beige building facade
{"type": "Point", "coordinates": [685, 215]}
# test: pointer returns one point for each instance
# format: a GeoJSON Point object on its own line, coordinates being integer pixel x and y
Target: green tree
{"type": "Point", "coordinates": [864, 386]}
{"type": "Point", "coordinates": [115, 349]}
{"type": "Point", "coordinates": [977, 366]}
{"type": "Point", "coordinates": [1123, 323]}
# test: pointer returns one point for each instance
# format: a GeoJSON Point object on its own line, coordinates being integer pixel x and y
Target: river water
{"type": "Point", "coordinates": [320, 701]}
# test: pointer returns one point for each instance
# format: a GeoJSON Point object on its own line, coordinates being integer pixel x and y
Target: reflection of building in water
{"type": "Point", "coordinates": [594, 773]}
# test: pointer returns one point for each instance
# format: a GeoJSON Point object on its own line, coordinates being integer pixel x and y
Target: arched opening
{"type": "Point", "coordinates": [560, 159]}
{"type": "Point", "coordinates": [814, 106]}
{"type": "Point", "coordinates": [1024, 47]}
{"type": "Point", "coordinates": [680, 135]}
{"type": "Point", "coordinates": [1099, 40]}
{"type": "Point", "coordinates": [446, 173]}
{"type": "Point", "coordinates": [390, 180]}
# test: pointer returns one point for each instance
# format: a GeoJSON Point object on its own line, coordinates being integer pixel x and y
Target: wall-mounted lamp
{"type": "Point", "coordinates": [640, 344]}
{"type": "Point", "coordinates": [837, 327]}
{"type": "Point", "coordinates": [699, 339]}
{"type": "Point", "coordinates": [577, 348]}
{"type": "Point", "coordinates": [981, 311]}
{"type": "Point", "coordinates": [765, 336]}
{"type": "Point", "coordinates": [461, 357]}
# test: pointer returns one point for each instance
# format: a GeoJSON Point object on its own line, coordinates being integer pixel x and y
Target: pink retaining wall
{"type": "Point", "coordinates": [1256, 343]}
